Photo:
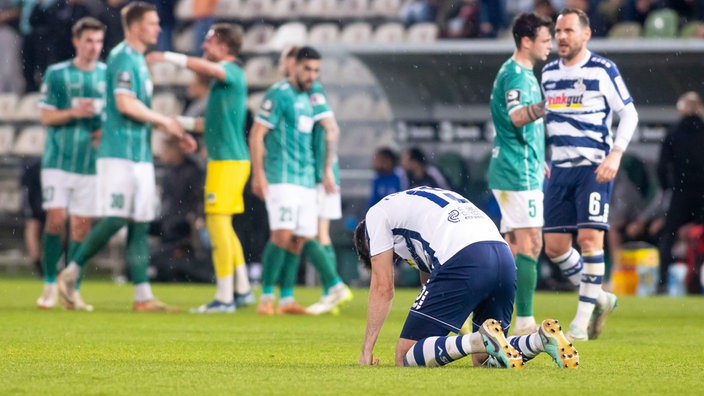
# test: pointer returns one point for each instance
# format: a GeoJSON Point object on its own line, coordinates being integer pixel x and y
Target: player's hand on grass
{"type": "Point", "coordinates": [154, 57]}
{"type": "Point", "coordinates": [84, 109]}
{"type": "Point", "coordinates": [606, 171]}
{"type": "Point", "coordinates": [260, 186]}
{"type": "Point", "coordinates": [367, 359]}
{"type": "Point", "coordinates": [188, 144]}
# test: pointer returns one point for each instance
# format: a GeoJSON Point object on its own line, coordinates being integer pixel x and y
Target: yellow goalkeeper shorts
{"type": "Point", "coordinates": [224, 184]}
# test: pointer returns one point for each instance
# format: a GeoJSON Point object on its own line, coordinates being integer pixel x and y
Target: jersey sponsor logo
{"type": "Point", "coordinates": [513, 97]}
{"type": "Point", "coordinates": [124, 80]}
{"type": "Point", "coordinates": [563, 101]}
{"type": "Point", "coordinates": [317, 99]}
{"type": "Point", "coordinates": [305, 124]}
{"type": "Point", "coordinates": [454, 216]}
{"type": "Point", "coordinates": [267, 105]}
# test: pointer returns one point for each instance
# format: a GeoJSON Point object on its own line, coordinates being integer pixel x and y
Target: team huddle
{"type": "Point", "coordinates": [98, 164]}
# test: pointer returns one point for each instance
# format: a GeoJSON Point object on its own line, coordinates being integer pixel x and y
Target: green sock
{"type": "Point", "coordinates": [330, 251]}
{"type": "Point", "coordinates": [272, 262]}
{"type": "Point", "coordinates": [97, 238]}
{"type": "Point", "coordinates": [138, 252]}
{"type": "Point", "coordinates": [289, 273]}
{"type": "Point", "coordinates": [526, 280]}
{"type": "Point", "coordinates": [52, 249]}
{"type": "Point", "coordinates": [315, 252]}
{"type": "Point", "coordinates": [73, 247]}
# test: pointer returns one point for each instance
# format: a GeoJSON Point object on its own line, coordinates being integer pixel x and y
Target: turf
{"type": "Point", "coordinates": [649, 346]}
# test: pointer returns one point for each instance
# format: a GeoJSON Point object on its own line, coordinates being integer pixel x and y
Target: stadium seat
{"type": "Point", "coordinates": [355, 72]}
{"type": "Point", "coordinates": [163, 73]}
{"type": "Point", "coordinates": [357, 106]}
{"type": "Point", "coordinates": [387, 9]}
{"type": "Point", "coordinates": [167, 103]}
{"type": "Point", "coordinates": [356, 33]}
{"type": "Point", "coordinates": [7, 138]}
{"type": "Point", "coordinates": [292, 33]}
{"type": "Point", "coordinates": [329, 70]}
{"type": "Point", "coordinates": [183, 41]}
{"type": "Point", "coordinates": [324, 33]}
{"type": "Point", "coordinates": [626, 30]}
{"type": "Point", "coordinates": [422, 33]}
{"type": "Point", "coordinates": [8, 105]}
{"type": "Point", "coordinates": [356, 9]}
{"type": "Point", "coordinates": [229, 9]}
{"type": "Point", "coordinates": [288, 9]}
{"type": "Point", "coordinates": [183, 77]}
{"type": "Point", "coordinates": [390, 33]}
{"type": "Point", "coordinates": [322, 9]}
{"type": "Point", "coordinates": [251, 9]}
{"type": "Point", "coordinates": [257, 37]}
{"type": "Point", "coordinates": [261, 72]}
{"type": "Point", "coordinates": [661, 24]}
{"type": "Point", "coordinates": [28, 107]}
{"type": "Point", "coordinates": [694, 29]}
{"type": "Point", "coordinates": [30, 141]}
{"type": "Point", "coordinates": [10, 196]}
{"type": "Point", "coordinates": [184, 10]}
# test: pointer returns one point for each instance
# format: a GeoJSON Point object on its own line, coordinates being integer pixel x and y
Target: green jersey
{"type": "Point", "coordinates": [321, 110]}
{"type": "Point", "coordinates": [123, 137]}
{"type": "Point", "coordinates": [519, 152]}
{"type": "Point", "coordinates": [289, 148]}
{"type": "Point", "coordinates": [225, 116]}
{"type": "Point", "coordinates": [69, 147]}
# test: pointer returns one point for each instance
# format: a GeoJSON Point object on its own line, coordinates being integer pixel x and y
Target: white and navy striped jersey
{"type": "Point", "coordinates": [580, 101]}
{"type": "Point", "coordinates": [427, 226]}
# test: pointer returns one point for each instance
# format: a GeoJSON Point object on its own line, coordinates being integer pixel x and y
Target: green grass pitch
{"type": "Point", "coordinates": [650, 346]}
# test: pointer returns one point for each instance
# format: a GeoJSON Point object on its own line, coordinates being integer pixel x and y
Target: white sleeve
{"type": "Point", "coordinates": [626, 126]}
{"type": "Point", "coordinates": [378, 230]}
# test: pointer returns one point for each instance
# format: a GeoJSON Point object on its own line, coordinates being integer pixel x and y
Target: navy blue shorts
{"type": "Point", "coordinates": [479, 279]}
{"type": "Point", "coordinates": [574, 199]}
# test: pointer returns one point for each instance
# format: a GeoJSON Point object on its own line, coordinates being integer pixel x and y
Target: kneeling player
{"type": "Point", "coordinates": [465, 267]}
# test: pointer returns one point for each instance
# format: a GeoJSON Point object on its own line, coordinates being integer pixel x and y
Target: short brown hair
{"type": "Point", "coordinates": [361, 244]}
{"type": "Point", "coordinates": [134, 12]}
{"type": "Point", "coordinates": [291, 52]}
{"type": "Point", "coordinates": [86, 23]}
{"type": "Point", "coordinates": [230, 35]}
{"type": "Point", "coordinates": [583, 17]}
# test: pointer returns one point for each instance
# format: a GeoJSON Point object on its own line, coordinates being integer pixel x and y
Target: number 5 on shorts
{"type": "Point", "coordinates": [532, 209]}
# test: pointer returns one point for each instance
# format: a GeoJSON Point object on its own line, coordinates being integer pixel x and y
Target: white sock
{"type": "Point", "coordinates": [338, 287]}
{"type": "Point", "coordinates": [286, 301]}
{"type": "Point", "coordinates": [571, 265]}
{"type": "Point", "coordinates": [529, 345]}
{"type": "Point", "coordinates": [439, 351]}
{"type": "Point", "coordinates": [589, 287]}
{"type": "Point", "coordinates": [143, 292]}
{"type": "Point", "coordinates": [242, 280]}
{"type": "Point", "coordinates": [267, 297]}
{"type": "Point", "coordinates": [224, 290]}
{"type": "Point", "coordinates": [73, 270]}
{"type": "Point", "coordinates": [524, 321]}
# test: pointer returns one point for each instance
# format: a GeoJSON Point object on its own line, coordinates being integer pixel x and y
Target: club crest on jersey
{"type": "Point", "coordinates": [563, 101]}
{"type": "Point", "coordinates": [317, 99]}
{"type": "Point", "coordinates": [579, 85]}
{"type": "Point", "coordinates": [210, 198]}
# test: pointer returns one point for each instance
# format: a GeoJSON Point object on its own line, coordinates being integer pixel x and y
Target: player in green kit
{"type": "Point", "coordinates": [228, 158]}
{"type": "Point", "coordinates": [126, 184]}
{"type": "Point", "coordinates": [517, 166]}
{"type": "Point", "coordinates": [73, 95]}
{"type": "Point", "coordinates": [283, 175]}
{"type": "Point", "coordinates": [325, 138]}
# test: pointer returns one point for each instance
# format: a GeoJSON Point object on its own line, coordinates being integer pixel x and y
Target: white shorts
{"type": "Point", "coordinates": [292, 207]}
{"type": "Point", "coordinates": [520, 209]}
{"type": "Point", "coordinates": [71, 191]}
{"type": "Point", "coordinates": [329, 205]}
{"type": "Point", "coordinates": [126, 189]}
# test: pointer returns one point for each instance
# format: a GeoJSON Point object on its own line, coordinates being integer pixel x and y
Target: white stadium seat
{"type": "Point", "coordinates": [292, 33]}
{"type": "Point", "coordinates": [260, 72]}
{"type": "Point", "coordinates": [8, 105]}
{"type": "Point", "coordinates": [422, 33]}
{"type": "Point", "coordinates": [166, 103]}
{"type": "Point", "coordinates": [390, 33]}
{"type": "Point", "coordinates": [7, 138]}
{"type": "Point", "coordinates": [183, 77]}
{"type": "Point", "coordinates": [183, 41]}
{"type": "Point", "coordinates": [324, 33]}
{"type": "Point", "coordinates": [387, 9]}
{"type": "Point", "coordinates": [228, 9]}
{"type": "Point", "coordinates": [28, 107]}
{"type": "Point", "coordinates": [30, 141]}
{"type": "Point", "coordinates": [288, 9]}
{"type": "Point", "coordinates": [322, 9]}
{"type": "Point", "coordinates": [257, 37]}
{"type": "Point", "coordinates": [184, 10]}
{"type": "Point", "coordinates": [254, 100]}
{"type": "Point", "coordinates": [163, 73]}
{"type": "Point", "coordinates": [354, 8]}
{"type": "Point", "coordinates": [356, 33]}
{"type": "Point", "coordinates": [251, 9]}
